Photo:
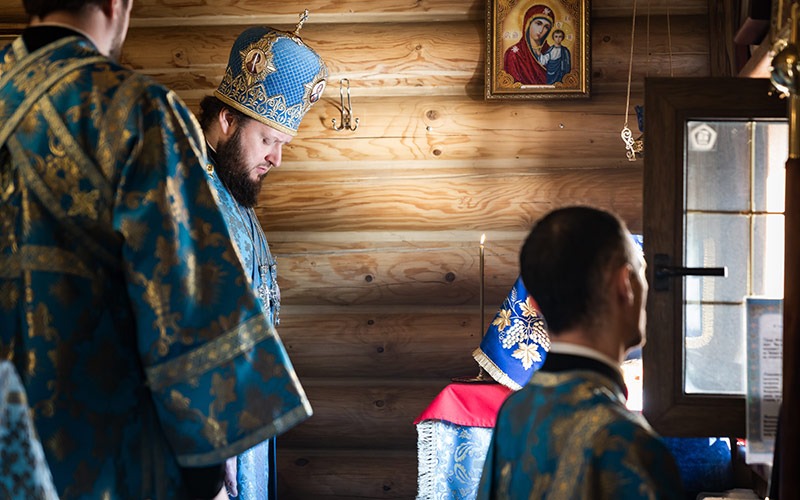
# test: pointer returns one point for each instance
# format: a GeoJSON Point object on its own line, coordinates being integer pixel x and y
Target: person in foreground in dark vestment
{"type": "Point", "coordinates": [145, 356]}
{"type": "Point", "coordinates": [271, 81]}
{"type": "Point", "coordinates": [567, 433]}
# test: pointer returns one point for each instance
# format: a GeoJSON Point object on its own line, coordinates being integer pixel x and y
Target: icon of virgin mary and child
{"type": "Point", "coordinates": [532, 61]}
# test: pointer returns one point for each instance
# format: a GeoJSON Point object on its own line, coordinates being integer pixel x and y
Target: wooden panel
{"type": "Point", "coordinates": [412, 272]}
{"type": "Point", "coordinates": [382, 341]}
{"type": "Point", "coordinates": [435, 118]}
{"type": "Point", "coordinates": [284, 14]}
{"type": "Point", "coordinates": [449, 129]}
{"type": "Point", "coordinates": [339, 201]}
{"type": "Point", "coordinates": [252, 12]}
{"type": "Point", "coordinates": [346, 474]}
{"type": "Point", "coordinates": [365, 412]}
{"type": "Point", "coordinates": [12, 12]}
{"type": "Point", "coordinates": [421, 58]}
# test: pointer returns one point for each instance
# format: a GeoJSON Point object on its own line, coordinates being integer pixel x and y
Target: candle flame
{"type": "Point", "coordinates": [483, 238]}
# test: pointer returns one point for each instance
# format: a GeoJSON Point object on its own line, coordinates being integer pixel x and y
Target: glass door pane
{"type": "Point", "coordinates": [733, 217]}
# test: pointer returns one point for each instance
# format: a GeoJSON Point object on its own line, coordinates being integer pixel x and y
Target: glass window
{"type": "Point", "coordinates": [732, 217]}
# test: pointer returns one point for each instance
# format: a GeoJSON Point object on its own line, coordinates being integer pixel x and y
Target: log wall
{"type": "Point", "coordinates": [376, 231]}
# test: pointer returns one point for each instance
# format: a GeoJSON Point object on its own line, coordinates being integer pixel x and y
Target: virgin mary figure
{"type": "Point", "coordinates": [521, 60]}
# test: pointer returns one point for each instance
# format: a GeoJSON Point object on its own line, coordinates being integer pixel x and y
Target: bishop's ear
{"type": "Point", "coordinates": [227, 122]}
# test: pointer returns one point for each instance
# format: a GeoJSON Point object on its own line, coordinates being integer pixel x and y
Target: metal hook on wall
{"type": "Point", "coordinates": [347, 112]}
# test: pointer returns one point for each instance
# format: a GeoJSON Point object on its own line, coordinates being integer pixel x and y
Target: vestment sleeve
{"type": "Point", "coordinates": [631, 462]}
{"type": "Point", "coordinates": [219, 375]}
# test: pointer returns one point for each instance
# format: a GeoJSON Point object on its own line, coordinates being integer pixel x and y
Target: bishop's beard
{"type": "Point", "coordinates": [233, 171]}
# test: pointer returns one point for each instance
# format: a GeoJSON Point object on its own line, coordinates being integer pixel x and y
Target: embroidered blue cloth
{"type": "Point", "coordinates": [252, 466]}
{"type": "Point", "coordinates": [568, 434]}
{"type": "Point", "coordinates": [516, 343]}
{"type": "Point", "coordinates": [252, 472]}
{"type": "Point", "coordinates": [141, 344]}
{"type": "Point", "coordinates": [25, 475]}
{"type": "Point", "coordinates": [450, 459]}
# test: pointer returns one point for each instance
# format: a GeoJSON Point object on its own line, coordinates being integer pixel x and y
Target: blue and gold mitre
{"type": "Point", "coordinates": [516, 342]}
{"type": "Point", "coordinates": [273, 76]}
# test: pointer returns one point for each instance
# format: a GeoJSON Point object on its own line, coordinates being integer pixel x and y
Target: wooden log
{"type": "Point", "coordinates": [384, 341]}
{"type": "Point", "coordinates": [364, 271]}
{"type": "Point", "coordinates": [365, 413]}
{"type": "Point", "coordinates": [456, 132]}
{"type": "Point", "coordinates": [323, 473]}
{"type": "Point", "coordinates": [435, 118]}
{"type": "Point", "coordinates": [550, 148]}
{"type": "Point", "coordinates": [422, 57]}
{"type": "Point", "coordinates": [152, 13]}
{"type": "Point", "coordinates": [436, 201]}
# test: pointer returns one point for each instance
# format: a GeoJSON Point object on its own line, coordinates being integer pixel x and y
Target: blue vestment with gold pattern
{"type": "Point", "coordinates": [123, 303]}
{"type": "Point", "coordinates": [252, 466]}
{"type": "Point", "coordinates": [567, 435]}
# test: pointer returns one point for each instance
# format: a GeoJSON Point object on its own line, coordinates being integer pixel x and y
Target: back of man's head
{"type": "Point", "coordinates": [564, 262]}
{"type": "Point", "coordinates": [42, 8]}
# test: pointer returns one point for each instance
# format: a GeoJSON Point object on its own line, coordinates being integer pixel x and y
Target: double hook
{"type": "Point", "coordinates": [347, 112]}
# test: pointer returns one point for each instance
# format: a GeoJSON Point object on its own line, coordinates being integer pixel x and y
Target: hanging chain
{"type": "Point", "coordinates": [626, 134]}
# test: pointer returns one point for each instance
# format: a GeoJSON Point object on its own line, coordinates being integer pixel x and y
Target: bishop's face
{"type": "Point", "coordinates": [247, 155]}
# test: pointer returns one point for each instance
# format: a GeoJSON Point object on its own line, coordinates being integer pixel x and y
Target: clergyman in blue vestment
{"type": "Point", "coordinates": [146, 357]}
{"type": "Point", "coordinates": [271, 81]}
{"type": "Point", "coordinates": [567, 433]}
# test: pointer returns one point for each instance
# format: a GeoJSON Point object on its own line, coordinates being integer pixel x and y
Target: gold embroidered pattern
{"type": "Point", "coordinates": [110, 140]}
{"type": "Point", "coordinates": [35, 183]}
{"type": "Point", "coordinates": [134, 232]}
{"type": "Point", "coordinates": [255, 103]}
{"type": "Point", "coordinates": [38, 86]}
{"type": "Point", "coordinates": [26, 59]}
{"type": "Point", "coordinates": [70, 147]}
{"type": "Point", "coordinates": [8, 238]}
{"type": "Point", "coordinates": [9, 295]}
{"type": "Point", "coordinates": [212, 354]}
{"type": "Point", "coordinates": [277, 426]}
{"type": "Point", "coordinates": [42, 258]}
{"type": "Point", "coordinates": [84, 203]}
{"type": "Point", "coordinates": [223, 391]}
{"type": "Point", "coordinates": [214, 431]}
{"type": "Point", "coordinates": [60, 444]}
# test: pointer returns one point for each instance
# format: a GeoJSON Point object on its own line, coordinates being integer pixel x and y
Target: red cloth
{"type": "Point", "coordinates": [472, 405]}
{"type": "Point", "coordinates": [523, 66]}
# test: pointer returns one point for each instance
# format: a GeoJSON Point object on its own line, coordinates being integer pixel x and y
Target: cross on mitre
{"type": "Point", "coordinates": [303, 18]}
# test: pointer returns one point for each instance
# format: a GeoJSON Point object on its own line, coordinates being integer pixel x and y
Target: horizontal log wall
{"type": "Point", "coordinates": [376, 231]}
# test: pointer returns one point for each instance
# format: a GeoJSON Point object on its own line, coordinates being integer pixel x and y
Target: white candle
{"type": "Point", "coordinates": [483, 239]}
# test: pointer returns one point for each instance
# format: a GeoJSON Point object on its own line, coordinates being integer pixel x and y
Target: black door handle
{"type": "Point", "coordinates": [664, 271]}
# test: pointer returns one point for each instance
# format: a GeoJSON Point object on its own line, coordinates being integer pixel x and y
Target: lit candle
{"type": "Point", "coordinates": [483, 239]}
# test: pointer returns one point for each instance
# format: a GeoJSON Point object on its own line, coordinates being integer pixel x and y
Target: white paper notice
{"type": "Point", "coordinates": [764, 376]}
